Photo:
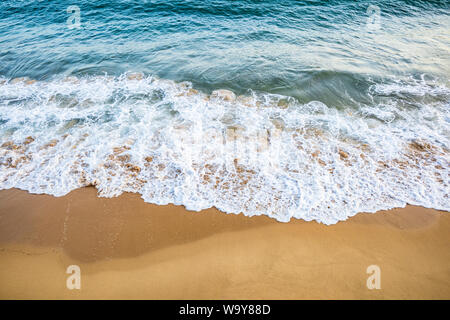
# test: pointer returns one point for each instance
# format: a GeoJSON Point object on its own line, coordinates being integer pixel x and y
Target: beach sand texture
{"type": "Point", "coordinates": [129, 249]}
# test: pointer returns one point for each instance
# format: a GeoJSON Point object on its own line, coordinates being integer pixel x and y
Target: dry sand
{"type": "Point", "coordinates": [127, 248]}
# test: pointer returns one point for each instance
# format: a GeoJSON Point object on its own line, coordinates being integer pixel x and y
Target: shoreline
{"type": "Point", "coordinates": [127, 248]}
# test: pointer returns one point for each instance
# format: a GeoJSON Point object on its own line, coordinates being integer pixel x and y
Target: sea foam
{"type": "Point", "coordinates": [256, 154]}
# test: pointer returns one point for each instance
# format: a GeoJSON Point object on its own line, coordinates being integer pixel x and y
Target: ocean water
{"type": "Point", "coordinates": [314, 110]}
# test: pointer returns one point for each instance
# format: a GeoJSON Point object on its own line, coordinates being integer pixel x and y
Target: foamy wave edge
{"type": "Point", "coordinates": [258, 154]}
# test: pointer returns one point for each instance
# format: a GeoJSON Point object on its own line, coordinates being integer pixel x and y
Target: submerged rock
{"type": "Point", "coordinates": [135, 76]}
{"type": "Point", "coordinates": [71, 79]}
{"type": "Point", "coordinates": [223, 94]}
{"type": "Point", "coordinates": [17, 80]}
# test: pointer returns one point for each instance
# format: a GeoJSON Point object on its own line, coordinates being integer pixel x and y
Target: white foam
{"type": "Point", "coordinates": [260, 154]}
{"type": "Point", "coordinates": [412, 86]}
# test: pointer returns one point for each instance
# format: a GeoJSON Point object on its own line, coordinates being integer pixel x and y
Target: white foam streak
{"type": "Point", "coordinates": [261, 154]}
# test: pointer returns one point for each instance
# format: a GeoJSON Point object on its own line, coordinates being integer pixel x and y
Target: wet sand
{"type": "Point", "coordinates": [130, 249]}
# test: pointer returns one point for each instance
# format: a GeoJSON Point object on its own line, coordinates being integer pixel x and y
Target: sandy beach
{"type": "Point", "coordinates": [129, 249]}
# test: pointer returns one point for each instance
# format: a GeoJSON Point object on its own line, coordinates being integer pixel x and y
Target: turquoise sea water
{"type": "Point", "coordinates": [307, 109]}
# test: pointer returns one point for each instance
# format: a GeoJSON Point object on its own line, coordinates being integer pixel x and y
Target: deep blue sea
{"type": "Point", "coordinates": [313, 110]}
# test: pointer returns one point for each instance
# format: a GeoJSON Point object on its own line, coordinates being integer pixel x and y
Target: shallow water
{"type": "Point", "coordinates": [316, 110]}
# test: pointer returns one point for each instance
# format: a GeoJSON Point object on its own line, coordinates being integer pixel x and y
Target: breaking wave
{"type": "Point", "coordinates": [256, 154]}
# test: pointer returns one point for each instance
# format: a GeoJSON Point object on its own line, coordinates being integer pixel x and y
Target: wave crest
{"type": "Point", "coordinates": [259, 154]}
